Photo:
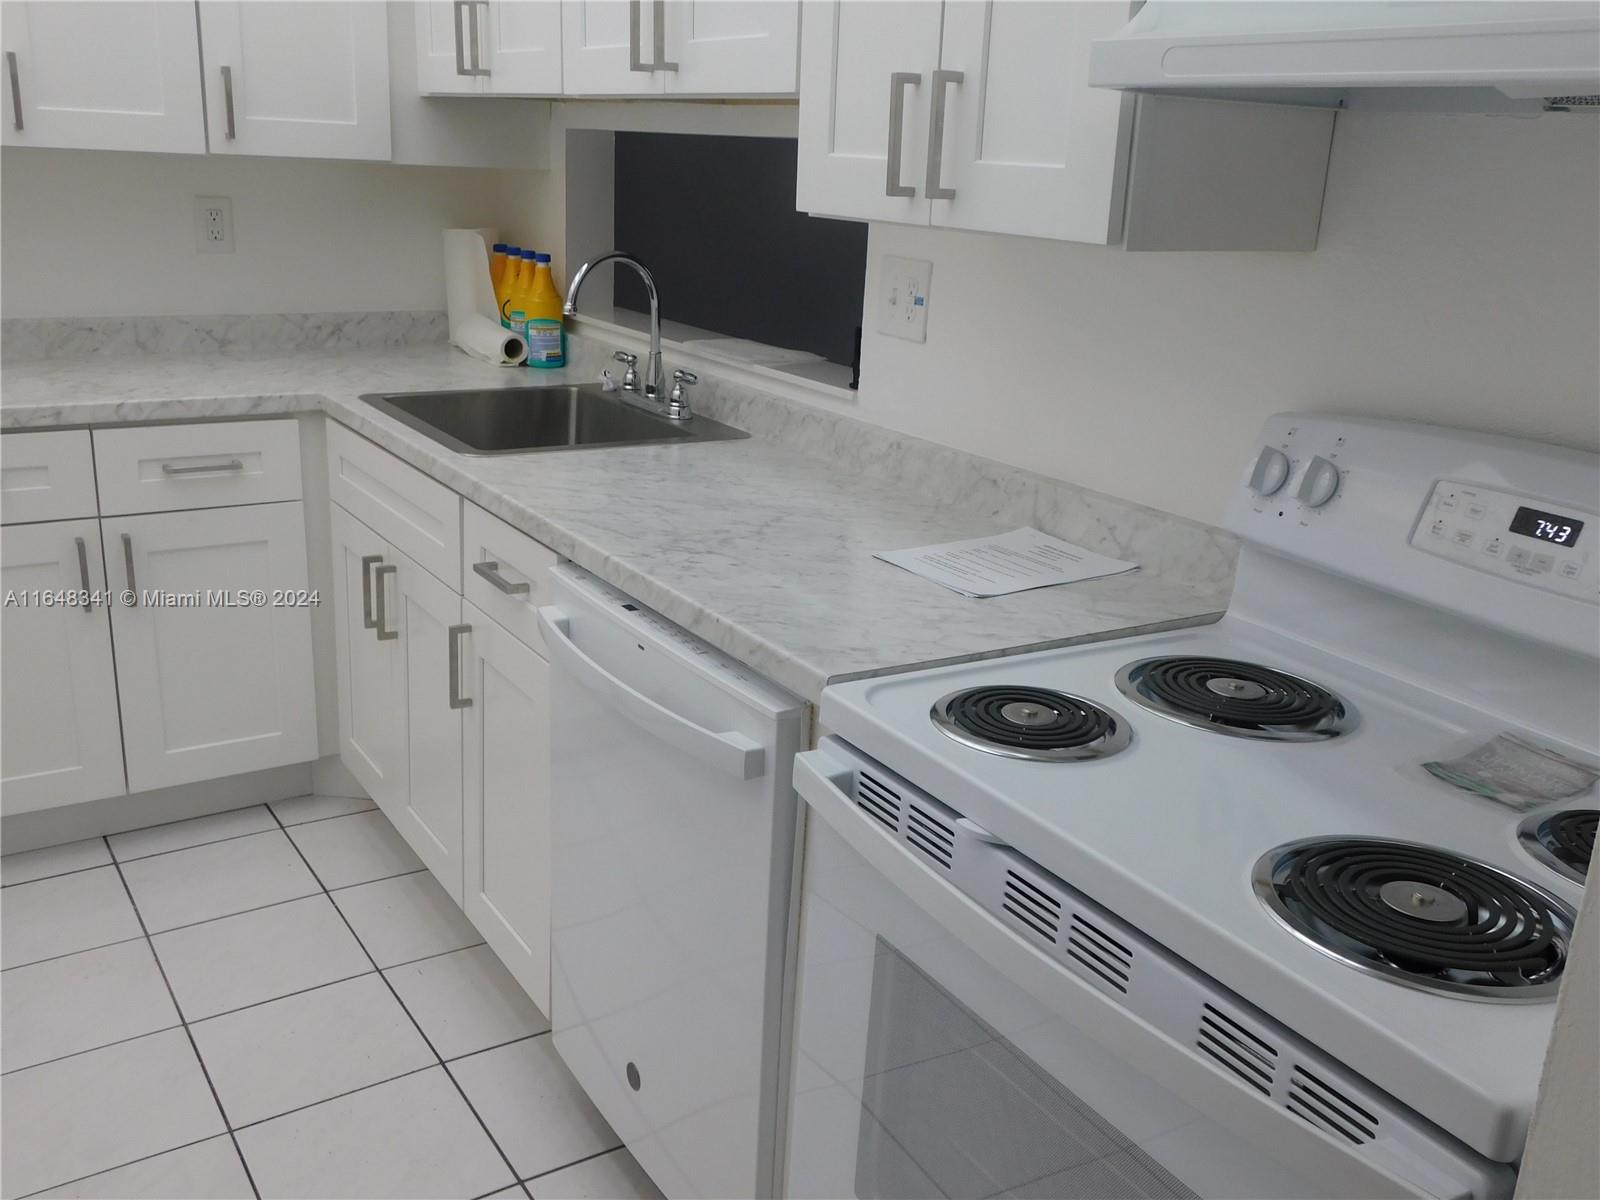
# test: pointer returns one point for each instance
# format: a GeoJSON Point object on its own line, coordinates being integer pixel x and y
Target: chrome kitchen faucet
{"type": "Point", "coordinates": [674, 406]}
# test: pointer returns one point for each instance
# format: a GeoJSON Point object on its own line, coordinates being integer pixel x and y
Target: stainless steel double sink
{"type": "Point", "coordinates": [526, 420]}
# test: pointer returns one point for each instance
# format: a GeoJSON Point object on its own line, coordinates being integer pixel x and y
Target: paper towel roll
{"type": "Point", "coordinates": [469, 299]}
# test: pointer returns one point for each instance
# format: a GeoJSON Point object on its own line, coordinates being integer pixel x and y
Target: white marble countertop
{"type": "Point", "coordinates": [756, 546]}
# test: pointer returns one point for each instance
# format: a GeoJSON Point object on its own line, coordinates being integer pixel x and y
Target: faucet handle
{"type": "Point", "coordinates": [678, 399]}
{"type": "Point", "coordinates": [630, 377]}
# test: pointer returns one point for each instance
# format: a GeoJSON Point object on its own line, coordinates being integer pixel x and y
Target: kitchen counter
{"type": "Point", "coordinates": [762, 546]}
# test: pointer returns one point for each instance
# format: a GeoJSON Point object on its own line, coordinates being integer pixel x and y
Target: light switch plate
{"type": "Point", "coordinates": [903, 297]}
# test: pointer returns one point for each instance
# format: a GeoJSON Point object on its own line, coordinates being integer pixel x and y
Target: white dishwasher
{"type": "Point", "coordinates": [672, 848]}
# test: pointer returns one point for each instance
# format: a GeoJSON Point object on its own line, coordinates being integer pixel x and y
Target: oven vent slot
{"type": "Point", "coordinates": [878, 801]}
{"type": "Point", "coordinates": [1099, 953]}
{"type": "Point", "coordinates": [931, 835]}
{"type": "Point", "coordinates": [1030, 904]}
{"type": "Point", "coordinates": [1238, 1050]}
{"type": "Point", "coordinates": [1326, 1107]}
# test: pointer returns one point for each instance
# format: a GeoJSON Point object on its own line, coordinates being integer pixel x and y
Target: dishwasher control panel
{"type": "Point", "coordinates": [1526, 540]}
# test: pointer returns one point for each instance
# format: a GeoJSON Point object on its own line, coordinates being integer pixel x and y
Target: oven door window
{"type": "Point", "coordinates": [920, 1071]}
{"type": "Point", "coordinates": [949, 1103]}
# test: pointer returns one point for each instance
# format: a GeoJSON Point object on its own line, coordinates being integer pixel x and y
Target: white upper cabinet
{"type": "Point", "coordinates": [103, 76]}
{"type": "Point", "coordinates": [732, 47]}
{"type": "Point", "coordinates": [445, 64]}
{"type": "Point", "coordinates": [489, 47]}
{"type": "Point", "coordinates": [978, 114]}
{"type": "Point", "coordinates": [521, 43]}
{"type": "Point", "coordinates": [608, 47]}
{"type": "Point", "coordinates": [301, 80]}
{"type": "Point", "coordinates": [679, 47]}
{"type": "Point", "coordinates": [865, 70]}
{"type": "Point", "coordinates": [1027, 147]}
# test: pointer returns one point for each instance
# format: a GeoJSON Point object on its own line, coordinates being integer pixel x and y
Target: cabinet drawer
{"type": "Point", "coordinates": [164, 468]}
{"type": "Point", "coordinates": [505, 573]}
{"type": "Point", "coordinates": [420, 516]}
{"type": "Point", "coordinates": [46, 476]}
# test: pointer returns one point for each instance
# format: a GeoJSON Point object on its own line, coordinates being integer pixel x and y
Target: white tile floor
{"type": "Point", "coordinates": [274, 1002]}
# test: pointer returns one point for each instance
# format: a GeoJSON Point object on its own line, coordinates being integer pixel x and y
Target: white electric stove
{"type": "Point", "coordinates": [1209, 863]}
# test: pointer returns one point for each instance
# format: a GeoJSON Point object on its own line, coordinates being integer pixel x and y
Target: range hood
{"type": "Point", "coordinates": [1479, 56]}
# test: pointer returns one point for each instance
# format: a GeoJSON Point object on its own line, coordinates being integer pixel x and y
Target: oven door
{"type": "Point", "coordinates": [936, 1053]}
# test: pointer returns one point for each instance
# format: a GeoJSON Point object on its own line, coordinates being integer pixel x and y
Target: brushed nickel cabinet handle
{"type": "Point", "coordinates": [467, 11]}
{"type": "Point", "coordinates": [16, 90]}
{"type": "Point", "coordinates": [233, 464]}
{"type": "Point", "coordinates": [660, 32]}
{"type": "Point", "coordinates": [455, 634]}
{"type": "Point", "coordinates": [898, 83]}
{"type": "Point", "coordinates": [941, 80]}
{"type": "Point", "coordinates": [83, 572]}
{"type": "Point", "coordinates": [490, 570]}
{"type": "Point", "coordinates": [127, 559]}
{"type": "Point", "coordinates": [635, 63]}
{"type": "Point", "coordinates": [368, 621]}
{"type": "Point", "coordinates": [378, 576]}
{"type": "Point", "coordinates": [227, 103]}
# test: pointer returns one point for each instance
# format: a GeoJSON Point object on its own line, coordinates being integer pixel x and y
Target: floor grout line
{"type": "Point", "coordinates": [422, 1033]}
{"type": "Point", "coordinates": [57, 957]}
{"type": "Point", "coordinates": [53, 875]}
{"type": "Point", "coordinates": [131, 1162]}
{"type": "Point", "coordinates": [133, 1037]}
{"type": "Point", "coordinates": [187, 1032]}
{"type": "Point", "coordinates": [575, 1162]}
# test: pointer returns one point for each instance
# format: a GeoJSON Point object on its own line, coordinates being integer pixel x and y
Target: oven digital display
{"type": "Point", "coordinates": [1547, 527]}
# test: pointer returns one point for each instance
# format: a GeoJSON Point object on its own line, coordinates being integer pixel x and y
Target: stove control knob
{"type": "Point", "coordinates": [1271, 471]}
{"type": "Point", "coordinates": [1320, 484]}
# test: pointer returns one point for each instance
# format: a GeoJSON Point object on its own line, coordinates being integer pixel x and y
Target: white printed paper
{"type": "Point", "coordinates": [1018, 561]}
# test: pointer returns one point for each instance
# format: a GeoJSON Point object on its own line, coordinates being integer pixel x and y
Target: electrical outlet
{"type": "Point", "coordinates": [903, 298]}
{"type": "Point", "coordinates": [213, 224]}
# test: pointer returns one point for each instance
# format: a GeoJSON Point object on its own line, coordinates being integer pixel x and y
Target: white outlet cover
{"type": "Point", "coordinates": [903, 297]}
{"type": "Point", "coordinates": [213, 224]}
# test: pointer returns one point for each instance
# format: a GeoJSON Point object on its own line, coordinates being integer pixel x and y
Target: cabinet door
{"type": "Point", "coordinates": [733, 47]}
{"type": "Point", "coordinates": [521, 47]}
{"type": "Point", "coordinates": [103, 76]}
{"type": "Point", "coordinates": [861, 62]}
{"type": "Point", "coordinates": [507, 786]}
{"type": "Point", "coordinates": [1029, 147]}
{"type": "Point", "coordinates": [372, 679]}
{"type": "Point", "coordinates": [427, 615]}
{"type": "Point", "coordinates": [60, 740]}
{"type": "Point", "coordinates": [444, 51]}
{"type": "Point", "coordinates": [601, 40]}
{"type": "Point", "coordinates": [214, 658]}
{"type": "Point", "coordinates": [302, 80]}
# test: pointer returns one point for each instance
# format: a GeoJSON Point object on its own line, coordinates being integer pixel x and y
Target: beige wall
{"type": "Point", "coordinates": [95, 233]}
{"type": "Point", "coordinates": [1457, 280]}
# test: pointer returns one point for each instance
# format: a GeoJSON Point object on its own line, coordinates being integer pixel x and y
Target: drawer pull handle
{"type": "Point", "coordinates": [230, 132]}
{"type": "Point", "coordinates": [368, 621]}
{"type": "Point", "coordinates": [378, 575]}
{"type": "Point", "coordinates": [457, 700]}
{"type": "Point", "coordinates": [83, 573]}
{"type": "Point", "coordinates": [233, 464]}
{"type": "Point", "coordinates": [16, 91]}
{"type": "Point", "coordinates": [127, 558]}
{"type": "Point", "coordinates": [490, 570]}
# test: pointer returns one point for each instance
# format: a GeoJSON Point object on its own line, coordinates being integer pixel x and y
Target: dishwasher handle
{"type": "Point", "coordinates": [731, 753]}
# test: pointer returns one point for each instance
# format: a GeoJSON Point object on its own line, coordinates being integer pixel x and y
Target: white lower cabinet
{"type": "Point", "coordinates": [214, 656]}
{"type": "Point", "coordinates": [507, 802]}
{"type": "Point", "coordinates": [371, 669]}
{"type": "Point", "coordinates": [427, 616]}
{"type": "Point", "coordinates": [60, 742]}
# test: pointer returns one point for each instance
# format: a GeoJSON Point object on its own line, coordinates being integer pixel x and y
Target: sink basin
{"type": "Point", "coordinates": [523, 420]}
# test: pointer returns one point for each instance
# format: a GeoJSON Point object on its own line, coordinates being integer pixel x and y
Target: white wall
{"type": "Point", "coordinates": [1456, 281]}
{"type": "Point", "coordinates": [96, 233]}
